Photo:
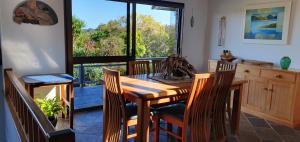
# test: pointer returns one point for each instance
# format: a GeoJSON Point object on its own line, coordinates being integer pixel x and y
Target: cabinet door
{"type": "Point", "coordinates": [281, 99]}
{"type": "Point", "coordinates": [257, 94]}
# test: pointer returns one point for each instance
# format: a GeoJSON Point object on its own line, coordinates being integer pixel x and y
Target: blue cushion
{"type": "Point", "coordinates": [176, 110]}
{"type": "Point", "coordinates": [131, 111]}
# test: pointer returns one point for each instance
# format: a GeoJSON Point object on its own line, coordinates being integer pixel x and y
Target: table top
{"type": "Point", "coordinates": [47, 79]}
{"type": "Point", "coordinates": [145, 87]}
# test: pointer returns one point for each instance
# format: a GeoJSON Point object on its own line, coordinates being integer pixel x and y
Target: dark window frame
{"type": "Point", "coordinates": [70, 60]}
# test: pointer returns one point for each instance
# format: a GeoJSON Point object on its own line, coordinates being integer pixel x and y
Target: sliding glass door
{"type": "Point", "coordinates": [110, 33]}
{"type": "Point", "coordinates": [100, 38]}
{"type": "Point", "coordinates": [156, 31]}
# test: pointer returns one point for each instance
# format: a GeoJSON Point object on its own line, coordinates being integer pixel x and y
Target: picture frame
{"type": "Point", "coordinates": [267, 23]}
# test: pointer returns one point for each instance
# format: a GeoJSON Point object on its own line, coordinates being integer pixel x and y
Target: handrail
{"type": "Point", "coordinates": [81, 67]}
{"type": "Point", "coordinates": [30, 121]}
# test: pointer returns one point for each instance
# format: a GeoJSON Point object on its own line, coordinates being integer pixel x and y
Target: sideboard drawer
{"type": "Point", "coordinates": [278, 75]}
{"type": "Point", "coordinates": [247, 70]}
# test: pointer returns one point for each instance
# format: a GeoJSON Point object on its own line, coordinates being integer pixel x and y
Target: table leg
{"type": "Point", "coordinates": [62, 97]}
{"type": "Point", "coordinates": [236, 110]}
{"type": "Point", "coordinates": [143, 121]}
{"type": "Point", "coordinates": [71, 99]}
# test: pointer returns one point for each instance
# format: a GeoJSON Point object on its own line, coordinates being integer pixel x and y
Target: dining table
{"type": "Point", "coordinates": [147, 91]}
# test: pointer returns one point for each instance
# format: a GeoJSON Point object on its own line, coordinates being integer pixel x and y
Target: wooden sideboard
{"type": "Point", "coordinates": [270, 93]}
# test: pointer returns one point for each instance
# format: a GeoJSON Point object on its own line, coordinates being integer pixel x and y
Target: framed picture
{"type": "Point", "coordinates": [267, 23]}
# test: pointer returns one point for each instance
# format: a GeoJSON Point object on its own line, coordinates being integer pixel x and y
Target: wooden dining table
{"type": "Point", "coordinates": [147, 92]}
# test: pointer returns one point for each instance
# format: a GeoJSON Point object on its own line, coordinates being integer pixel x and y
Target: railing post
{"type": "Point", "coordinates": [81, 75]}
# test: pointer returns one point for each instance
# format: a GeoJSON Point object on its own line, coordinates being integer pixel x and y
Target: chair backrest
{"type": "Point", "coordinates": [114, 106]}
{"type": "Point", "coordinates": [139, 67]}
{"type": "Point", "coordinates": [224, 66]}
{"type": "Point", "coordinates": [156, 66]}
{"type": "Point", "coordinates": [197, 111]}
{"type": "Point", "coordinates": [221, 93]}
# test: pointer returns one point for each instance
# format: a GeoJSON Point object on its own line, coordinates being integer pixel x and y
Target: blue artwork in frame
{"type": "Point", "coordinates": [267, 23]}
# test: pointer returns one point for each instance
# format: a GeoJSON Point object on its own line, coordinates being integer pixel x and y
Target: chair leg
{"type": "Point", "coordinates": [125, 132]}
{"type": "Point", "coordinates": [180, 133]}
{"type": "Point", "coordinates": [170, 129]}
{"type": "Point", "coordinates": [183, 136]}
{"type": "Point", "coordinates": [228, 108]}
{"type": "Point", "coordinates": [156, 128]}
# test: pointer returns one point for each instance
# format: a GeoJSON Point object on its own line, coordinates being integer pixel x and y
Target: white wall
{"type": "Point", "coordinates": [193, 42]}
{"type": "Point", "coordinates": [32, 49]}
{"type": "Point", "coordinates": [233, 9]}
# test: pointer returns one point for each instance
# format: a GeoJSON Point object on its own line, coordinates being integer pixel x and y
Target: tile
{"type": "Point", "coordinates": [86, 97]}
{"type": "Point", "coordinates": [257, 122]}
{"type": "Point", "coordinates": [88, 138]}
{"type": "Point", "coordinates": [288, 138]}
{"type": "Point", "coordinates": [246, 125]}
{"type": "Point", "coordinates": [284, 130]}
{"type": "Point", "coordinates": [248, 136]}
{"type": "Point", "coordinates": [90, 118]}
{"type": "Point", "coordinates": [232, 139]}
{"type": "Point", "coordinates": [88, 130]}
{"type": "Point", "coordinates": [249, 115]}
{"type": "Point", "coordinates": [267, 134]}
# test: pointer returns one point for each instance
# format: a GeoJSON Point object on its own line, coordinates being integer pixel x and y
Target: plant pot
{"type": "Point", "coordinates": [53, 120]}
{"type": "Point", "coordinates": [285, 63]}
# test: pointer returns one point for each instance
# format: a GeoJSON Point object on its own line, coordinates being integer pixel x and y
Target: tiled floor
{"type": "Point", "coordinates": [88, 128]}
{"type": "Point", "coordinates": [88, 124]}
{"type": "Point", "coordinates": [88, 97]}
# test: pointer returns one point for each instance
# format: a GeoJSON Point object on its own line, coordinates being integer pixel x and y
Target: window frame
{"type": "Point", "coordinates": [70, 60]}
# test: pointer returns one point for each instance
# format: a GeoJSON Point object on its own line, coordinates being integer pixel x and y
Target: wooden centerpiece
{"type": "Point", "coordinates": [176, 67]}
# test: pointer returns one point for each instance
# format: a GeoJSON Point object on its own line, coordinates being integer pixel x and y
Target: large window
{"type": "Point", "coordinates": [117, 31]}
{"type": "Point", "coordinates": [99, 28]}
{"type": "Point", "coordinates": [156, 31]}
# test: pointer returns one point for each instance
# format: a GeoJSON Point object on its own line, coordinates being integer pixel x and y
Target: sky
{"type": "Point", "coordinates": [95, 12]}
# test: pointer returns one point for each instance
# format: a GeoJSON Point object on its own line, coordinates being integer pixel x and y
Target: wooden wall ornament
{"type": "Point", "coordinates": [35, 12]}
{"type": "Point", "coordinates": [222, 31]}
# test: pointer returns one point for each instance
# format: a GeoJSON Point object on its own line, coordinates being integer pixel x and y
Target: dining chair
{"type": "Point", "coordinates": [139, 67]}
{"type": "Point", "coordinates": [221, 92]}
{"type": "Point", "coordinates": [226, 66]}
{"type": "Point", "coordinates": [156, 66]}
{"type": "Point", "coordinates": [117, 113]}
{"type": "Point", "coordinates": [195, 115]}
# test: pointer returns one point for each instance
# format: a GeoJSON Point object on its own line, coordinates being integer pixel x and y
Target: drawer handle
{"type": "Point", "coordinates": [266, 89]}
{"type": "Point", "coordinates": [279, 76]}
{"type": "Point", "coordinates": [247, 71]}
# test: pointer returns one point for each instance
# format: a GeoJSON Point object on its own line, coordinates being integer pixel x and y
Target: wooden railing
{"type": "Point", "coordinates": [31, 123]}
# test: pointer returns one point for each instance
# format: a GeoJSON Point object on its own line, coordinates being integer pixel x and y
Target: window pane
{"type": "Point", "coordinates": [90, 74]}
{"type": "Point", "coordinates": [156, 34]}
{"type": "Point", "coordinates": [99, 28]}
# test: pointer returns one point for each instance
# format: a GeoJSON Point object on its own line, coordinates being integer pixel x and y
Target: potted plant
{"type": "Point", "coordinates": [51, 108]}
